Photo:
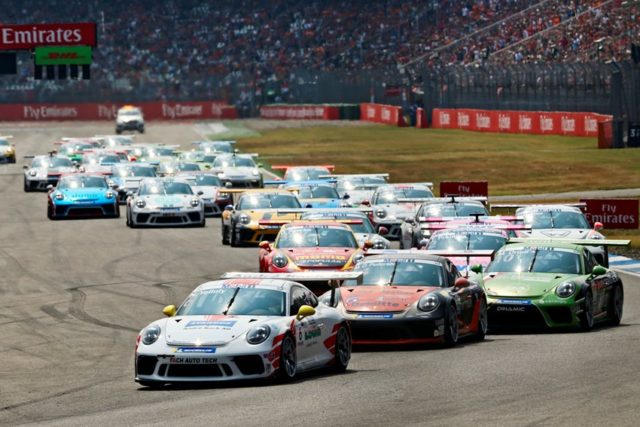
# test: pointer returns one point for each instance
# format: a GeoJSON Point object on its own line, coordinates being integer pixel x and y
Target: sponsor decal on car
{"type": "Point", "coordinates": [515, 301]}
{"type": "Point", "coordinates": [207, 324]}
{"type": "Point", "coordinates": [196, 350]}
{"type": "Point", "coordinates": [375, 316]}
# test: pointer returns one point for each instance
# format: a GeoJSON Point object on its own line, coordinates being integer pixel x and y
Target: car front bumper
{"type": "Point", "coordinates": [160, 218]}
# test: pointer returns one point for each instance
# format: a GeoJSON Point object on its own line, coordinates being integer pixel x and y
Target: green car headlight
{"type": "Point", "coordinates": [566, 289]}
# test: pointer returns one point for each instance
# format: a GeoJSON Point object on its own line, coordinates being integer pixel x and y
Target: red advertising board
{"type": "Point", "coordinates": [300, 112]}
{"type": "Point", "coordinates": [161, 110]}
{"type": "Point", "coordinates": [526, 122]}
{"type": "Point", "coordinates": [613, 213]}
{"type": "Point", "coordinates": [379, 113]}
{"type": "Point", "coordinates": [24, 37]}
{"type": "Point", "coordinates": [464, 188]}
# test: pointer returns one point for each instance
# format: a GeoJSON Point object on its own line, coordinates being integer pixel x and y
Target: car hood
{"type": "Point", "coordinates": [168, 201]}
{"type": "Point", "coordinates": [561, 233]}
{"type": "Point", "coordinates": [207, 191]}
{"type": "Point", "coordinates": [523, 285]}
{"type": "Point", "coordinates": [209, 330]}
{"type": "Point", "coordinates": [129, 182]}
{"type": "Point", "coordinates": [321, 203]}
{"type": "Point", "coordinates": [267, 214]}
{"type": "Point", "coordinates": [382, 298]}
{"type": "Point", "coordinates": [363, 237]}
{"type": "Point", "coordinates": [83, 193]}
{"type": "Point", "coordinates": [358, 196]}
{"type": "Point", "coordinates": [239, 172]}
{"type": "Point", "coordinates": [319, 257]}
{"type": "Point", "coordinates": [398, 210]}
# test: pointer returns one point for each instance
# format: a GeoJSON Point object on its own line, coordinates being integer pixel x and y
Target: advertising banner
{"type": "Point", "coordinates": [300, 112]}
{"type": "Point", "coordinates": [379, 113]}
{"type": "Point", "coordinates": [26, 37]}
{"type": "Point", "coordinates": [464, 188]}
{"type": "Point", "coordinates": [613, 213]}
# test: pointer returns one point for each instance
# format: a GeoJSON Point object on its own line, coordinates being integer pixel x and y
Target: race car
{"type": "Point", "coordinates": [311, 245]}
{"type": "Point", "coordinates": [409, 297]}
{"type": "Point", "coordinates": [239, 170]}
{"type": "Point", "coordinates": [46, 170]}
{"type": "Point", "coordinates": [164, 201]}
{"type": "Point", "coordinates": [553, 284]}
{"type": "Point", "coordinates": [7, 150]}
{"type": "Point", "coordinates": [359, 187]}
{"type": "Point", "coordinates": [74, 148]}
{"type": "Point", "coordinates": [215, 147]}
{"type": "Point", "coordinates": [82, 196]}
{"type": "Point", "coordinates": [300, 174]}
{"type": "Point", "coordinates": [393, 203]}
{"type": "Point", "coordinates": [98, 162]}
{"type": "Point", "coordinates": [213, 195]}
{"type": "Point", "coordinates": [126, 177]}
{"type": "Point", "coordinates": [318, 195]}
{"type": "Point", "coordinates": [115, 141]}
{"type": "Point", "coordinates": [241, 222]}
{"type": "Point", "coordinates": [357, 220]}
{"type": "Point", "coordinates": [236, 328]}
{"type": "Point", "coordinates": [175, 167]}
{"type": "Point", "coordinates": [129, 118]}
{"type": "Point", "coordinates": [200, 157]}
{"type": "Point", "coordinates": [417, 227]}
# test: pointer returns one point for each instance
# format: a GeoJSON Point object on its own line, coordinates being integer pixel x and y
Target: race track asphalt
{"type": "Point", "coordinates": [74, 294]}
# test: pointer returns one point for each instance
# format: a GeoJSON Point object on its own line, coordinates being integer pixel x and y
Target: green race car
{"type": "Point", "coordinates": [552, 283]}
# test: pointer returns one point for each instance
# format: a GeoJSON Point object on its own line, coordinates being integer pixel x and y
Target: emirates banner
{"type": "Point", "coordinates": [161, 110]}
{"type": "Point", "coordinates": [464, 188]}
{"type": "Point", "coordinates": [613, 213]}
{"type": "Point", "coordinates": [379, 113]}
{"type": "Point", "coordinates": [26, 37]}
{"type": "Point", "coordinates": [525, 122]}
{"type": "Point", "coordinates": [300, 112]}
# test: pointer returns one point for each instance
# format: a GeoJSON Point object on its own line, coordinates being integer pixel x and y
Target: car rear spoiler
{"type": "Point", "coordinates": [414, 200]}
{"type": "Point", "coordinates": [584, 242]}
{"type": "Point", "coordinates": [332, 279]}
{"type": "Point", "coordinates": [285, 167]}
{"type": "Point", "coordinates": [6, 136]}
{"type": "Point", "coordinates": [481, 226]}
{"type": "Point", "coordinates": [357, 175]}
{"type": "Point", "coordinates": [513, 206]}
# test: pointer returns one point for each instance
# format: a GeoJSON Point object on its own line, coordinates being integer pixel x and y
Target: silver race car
{"type": "Point", "coordinates": [393, 203]}
{"type": "Point", "coordinates": [46, 170]}
{"type": "Point", "coordinates": [238, 169]}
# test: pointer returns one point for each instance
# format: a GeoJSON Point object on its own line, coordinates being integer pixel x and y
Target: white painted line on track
{"type": "Point", "coordinates": [624, 264]}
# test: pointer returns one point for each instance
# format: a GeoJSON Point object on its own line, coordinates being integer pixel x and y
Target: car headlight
{"type": "Point", "coordinates": [244, 219]}
{"type": "Point", "coordinates": [357, 258]}
{"type": "Point", "coordinates": [59, 196]}
{"type": "Point", "coordinates": [379, 244]}
{"type": "Point", "coordinates": [195, 202]}
{"type": "Point", "coordinates": [33, 172]}
{"type": "Point", "coordinates": [258, 334]}
{"type": "Point", "coordinates": [381, 213]}
{"type": "Point", "coordinates": [111, 183]}
{"type": "Point", "coordinates": [141, 203]}
{"type": "Point", "coordinates": [429, 302]}
{"type": "Point", "coordinates": [255, 172]}
{"type": "Point", "coordinates": [109, 195]}
{"type": "Point", "coordinates": [151, 335]}
{"type": "Point", "coordinates": [566, 289]}
{"type": "Point", "coordinates": [280, 261]}
{"type": "Point", "coordinates": [221, 175]}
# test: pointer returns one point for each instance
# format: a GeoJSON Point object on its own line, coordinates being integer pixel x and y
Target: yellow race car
{"type": "Point", "coordinates": [7, 150]}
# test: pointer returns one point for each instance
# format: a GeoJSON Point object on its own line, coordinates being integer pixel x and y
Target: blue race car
{"type": "Point", "coordinates": [81, 196]}
{"type": "Point", "coordinates": [318, 194]}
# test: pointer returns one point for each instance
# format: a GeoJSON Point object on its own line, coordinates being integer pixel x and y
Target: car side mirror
{"type": "Point", "coordinates": [200, 193]}
{"type": "Point", "coordinates": [410, 221]}
{"type": "Point", "coordinates": [305, 311]}
{"type": "Point", "coordinates": [366, 202]}
{"type": "Point", "coordinates": [265, 245]}
{"type": "Point", "coordinates": [345, 196]}
{"type": "Point", "coordinates": [129, 193]}
{"type": "Point", "coordinates": [423, 243]}
{"type": "Point", "coordinates": [477, 268]}
{"type": "Point", "coordinates": [598, 270]}
{"type": "Point", "coordinates": [25, 167]}
{"type": "Point", "coordinates": [49, 187]}
{"type": "Point", "coordinates": [461, 282]}
{"type": "Point", "coordinates": [598, 226]}
{"type": "Point", "coordinates": [170, 310]}
{"type": "Point", "coordinates": [228, 208]}
{"type": "Point", "coordinates": [383, 231]}
{"type": "Point", "coordinates": [114, 186]}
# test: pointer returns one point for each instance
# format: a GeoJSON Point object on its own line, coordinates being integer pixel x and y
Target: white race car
{"type": "Point", "coordinates": [164, 201]}
{"type": "Point", "coordinates": [245, 326]}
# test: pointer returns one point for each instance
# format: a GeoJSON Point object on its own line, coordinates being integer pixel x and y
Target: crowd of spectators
{"type": "Point", "coordinates": [149, 49]}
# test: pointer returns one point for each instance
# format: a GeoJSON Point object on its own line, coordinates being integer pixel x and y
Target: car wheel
{"type": "Point", "coordinates": [118, 131]}
{"type": "Point", "coordinates": [50, 212]}
{"type": "Point", "coordinates": [616, 302]}
{"type": "Point", "coordinates": [12, 160]}
{"type": "Point", "coordinates": [451, 327]}
{"type": "Point", "coordinates": [586, 317]}
{"type": "Point", "coordinates": [342, 349]}
{"type": "Point", "coordinates": [233, 237]}
{"type": "Point", "coordinates": [151, 384]}
{"type": "Point", "coordinates": [288, 360]}
{"type": "Point", "coordinates": [116, 209]}
{"type": "Point", "coordinates": [225, 234]}
{"type": "Point", "coordinates": [483, 321]}
{"type": "Point", "coordinates": [27, 186]}
{"type": "Point", "coordinates": [203, 223]}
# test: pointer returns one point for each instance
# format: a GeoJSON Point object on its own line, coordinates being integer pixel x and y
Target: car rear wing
{"type": "Point", "coordinates": [476, 225]}
{"type": "Point", "coordinates": [285, 167]}
{"type": "Point", "coordinates": [584, 242]}
{"type": "Point", "coordinates": [357, 175]}
{"type": "Point", "coordinates": [514, 206]}
{"type": "Point", "coordinates": [415, 200]}
{"type": "Point", "coordinates": [6, 136]}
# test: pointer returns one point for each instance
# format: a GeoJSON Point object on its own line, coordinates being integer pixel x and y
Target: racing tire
{"type": "Point", "coordinates": [202, 223]}
{"type": "Point", "coordinates": [151, 384]}
{"type": "Point", "coordinates": [233, 237]}
{"type": "Point", "coordinates": [586, 317]}
{"type": "Point", "coordinates": [118, 131]}
{"type": "Point", "coordinates": [483, 321]}
{"type": "Point", "coordinates": [116, 210]}
{"type": "Point", "coordinates": [342, 349]}
{"type": "Point", "coordinates": [12, 160]}
{"type": "Point", "coordinates": [615, 306]}
{"type": "Point", "coordinates": [50, 214]}
{"type": "Point", "coordinates": [451, 328]}
{"type": "Point", "coordinates": [141, 130]}
{"type": "Point", "coordinates": [27, 186]}
{"type": "Point", "coordinates": [130, 222]}
{"type": "Point", "coordinates": [225, 234]}
{"type": "Point", "coordinates": [288, 360]}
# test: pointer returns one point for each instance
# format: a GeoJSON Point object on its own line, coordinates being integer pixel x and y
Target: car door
{"type": "Point", "coordinates": [598, 284]}
{"type": "Point", "coordinates": [309, 331]}
{"type": "Point", "coordinates": [298, 299]}
{"type": "Point", "coordinates": [463, 296]}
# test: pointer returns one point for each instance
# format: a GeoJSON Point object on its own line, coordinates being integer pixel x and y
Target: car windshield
{"type": "Point", "coordinates": [535, 260]}
{"type": "Point", "coordinates": [52, 162]}
{"type": "Point", "coordinates": [451, 210]}
{"type": "Point", "coordinates": [125, 171]}
{"type": "Point", "coordinates": [205, 180]}
{"type": "Point", "coordinates": [82, 181]}
{"type": "Point", "coordinates": [4, 142]}
{"type": "Point", "coordinates": [114, 141]}
{"type": "Point", "coordinates": [219, 147]}
{"type": "Point", "coordinates": [401, 272]}
{"type": "Point", "coordinates": [188, 167]}
{"type": "Point", "coordinates": [231, 300]}
{"type": "Point", "coordinates": [361, 224]}
{"type": "Point", "coordinates": [268, 201]}
{"type": "Point", "coordinates": [165, 188]}
{"type": "Point", "coordinates": [228, 162]}
{"type": "Point", "coordinates": [109, 159]}
{"type": "Point", "coordinates": [129, 113]}
{"type": "Point", "coordinates": [159, 152]}
{"type": "Point", "coordinates": [555, 219]}
{"type": "Point", "coordinates": [320, 192]}
{"type": "Point", "coordinates": [305, 174]}
{"type": "Point", "coordinates": [357, 183]}
{"type": "Point", "coordinates": [392, 195]}
{"type": "Point", "coordinates": [315, 236]}
{"type": "Point", "coordinates": [466, 240]}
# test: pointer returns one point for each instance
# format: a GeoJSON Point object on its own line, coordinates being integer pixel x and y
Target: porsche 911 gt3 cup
{"type": "Point", "coordinates": [357, 220]}
{"type": "Point", "coordinates": [127, 177]}
{"type": "Point", "coordinates": [318, 195]}
{"type": "Point", "coordinates": [239, 170]}
{"type": "Point", "coordinates": [237, 328]}
{"type": "Point", "coordinates": [359, 187]}
{"type": "Point", "coordinates": [164, 201]}
{"type": "Point", "coordinates": [393, 203]}
{"type": "Point", "coordinates": [81, 196]}
{"type": "Point", "coordinates": [45, 171]}
{"type": "Point", "coordinates": [210, 186]}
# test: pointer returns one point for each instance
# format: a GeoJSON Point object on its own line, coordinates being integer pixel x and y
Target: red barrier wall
{"type": "Point", "coordinates": [613, 213]}
{"type": "Point", "coordinates": [527, 122]}
{"type": "Point", "coordinates": [160, 110]}
{"type": "Point", "coordinates": [379, 113]}
{"type": "Point", "coordinates": [300, 112]}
